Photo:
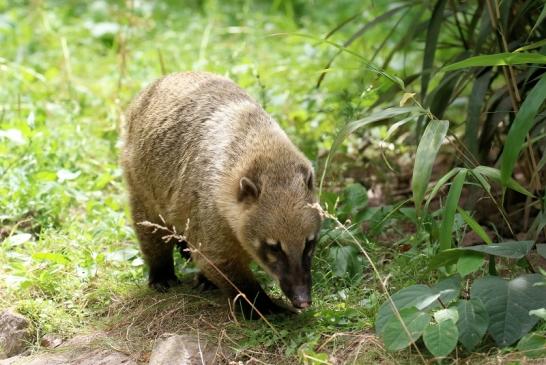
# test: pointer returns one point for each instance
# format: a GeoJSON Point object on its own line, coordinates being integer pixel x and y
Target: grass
{"type": "Point", "coordinates": [68, 255]}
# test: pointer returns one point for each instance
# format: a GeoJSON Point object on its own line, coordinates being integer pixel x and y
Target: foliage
{"type": "Point", "coordinates": [414, 113]}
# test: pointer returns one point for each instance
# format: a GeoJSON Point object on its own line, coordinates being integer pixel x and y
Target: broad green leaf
{"type": "Point", "coordinates": [452, 202]}
{"type": "Point", "coordinates": [445, 314]}
{"type": "Point", "coordinates": [510, 249]}
{"type": "Point", "coordinates": [66, 175]}
{"type": "Point", "coordinates": [473, 322]}
{"type": "Point", "coordinates": [346, 261]}
{"type": "Point", "coordinates": [427, 301]}
{"type": "Point", "coordinates": [441, 338]}
{"type": "Point", "coordinates": [122, 255]}
{"type": "Point", "coordinates": [17, 239]}
{"type": "Point", "coordinates": [445, 258]}
{"type": "Point", "coordinates": [424, 158]}
{"type": "Point", "coordinates": [355, 198]}
{"type": "Point", "coordinates": [475, 226]}
{"type": "Point", "coordinates": [541, 313]}
{"type": "Point", "coordinates": [522, 124]}
{"type": "Point", "coordinates": [533, 345]}
{"type": "Point", "coordinates": [508, 304]}
{"type": "Point", "coordinates": [407, 297]}
{"type": "Point", "coordinates": [449, 288]}
{"type": "Point", "coordinates": [496, 175]}
{"type": "Point", "coordinates": [13, 135]}
{"type": "Point", "coordinates": [498, 59]}
{"type": "Point", "coordinates": [395, 336]}
{"type": "Point", "coordinates": [52, 257]}
{"type": "Point", "coordinates": [467, 264]}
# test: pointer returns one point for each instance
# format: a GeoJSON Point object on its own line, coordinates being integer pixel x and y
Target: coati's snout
{"type": "Point", "coordinates": [297, 288]}
{"type": "Point", "coordinates": [291, 267]}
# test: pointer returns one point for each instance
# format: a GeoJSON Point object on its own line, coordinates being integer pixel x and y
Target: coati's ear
{"type": "Point", "coordinates": [310, 181]}
{"type": "Point", "coordinates": [247, 190]}
{"type": "Point", "coordinates": [308, 177]}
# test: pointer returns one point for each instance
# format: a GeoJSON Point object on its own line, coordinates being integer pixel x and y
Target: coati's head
{"type": "Point", "coordinates": [279, 227]}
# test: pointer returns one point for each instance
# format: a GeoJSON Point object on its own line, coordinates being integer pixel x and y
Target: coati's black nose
{"type": "Point", "coordinates": [301, 298]}
{"type": "Point", "coordinates": [302, 305]}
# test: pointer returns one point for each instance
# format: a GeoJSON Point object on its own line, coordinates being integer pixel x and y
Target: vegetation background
{"type": "Point", "coordinates": [424, 119]}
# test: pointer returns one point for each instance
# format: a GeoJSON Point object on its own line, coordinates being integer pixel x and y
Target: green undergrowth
{"type": "Point", "coordinates": [69, 259]}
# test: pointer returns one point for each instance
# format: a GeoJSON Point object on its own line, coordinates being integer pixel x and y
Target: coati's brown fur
{"type": "Point", "coordinates": [197, 147]}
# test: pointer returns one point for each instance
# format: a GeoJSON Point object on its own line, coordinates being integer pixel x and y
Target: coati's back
{"type": "Point", "coordinates": [198, 148]}
{"type": "Point", "coordinates": [168, 129]}
{"type": "Point", "coordinates": [192, 127]}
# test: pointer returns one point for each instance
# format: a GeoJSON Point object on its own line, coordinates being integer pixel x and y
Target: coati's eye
{"type": "Point", "coordinates": [273, 246]}
{"type": "Point", "coordinates": [309, 246]}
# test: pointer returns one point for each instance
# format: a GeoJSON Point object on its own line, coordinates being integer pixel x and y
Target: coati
{"type": "Point", "coordinates": [200, 152]}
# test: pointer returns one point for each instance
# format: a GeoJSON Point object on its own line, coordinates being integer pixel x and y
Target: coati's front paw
{"type": "Point", "coordinates": [202, 283]}
{"type": "Point", "coordinates": [263, 304]}
{"type": "Point", "coordinates": [162, 283]}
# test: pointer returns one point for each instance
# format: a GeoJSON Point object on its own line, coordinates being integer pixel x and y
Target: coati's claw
{"type": "Point", "coordinates": [265, 305]}
{"type": "Point", "coordinates": [203, 284]}
{"type": "Point", "coordinates": [162, 285]}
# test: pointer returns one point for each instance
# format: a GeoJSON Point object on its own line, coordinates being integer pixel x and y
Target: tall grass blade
{"type": "Point", "coordinates": [540, 19]}
{"type": "Point", "coordinates": [498, 59]}
{"type": "Point", "coordinates": [368, 65]}
{"type": "Point", "coordinates": [359, 33]}
{"type": "Point", "coordinates": [475, 103]}
{"type": "Point", "coordinates": [441, 182]}
{"type": "Point", "coordinates": [524, 121]}
{"type": "Point", "coordinates": [495, 174]}
{"type": "Point", "coordinates": [433, 32]}
{"type": "Point", "coordinates": [424, 159]}
{"type": "Point", "coordinates": [475, 226]}
{"type": "Point", "coordinates": [452, 203]}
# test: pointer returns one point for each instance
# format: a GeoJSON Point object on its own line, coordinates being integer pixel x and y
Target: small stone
{"type": "Point", "coordinates": [181, 350]}
{"type": "Point", "coordinates": [14, 333]}
{"type": "Point", "coordinates": [75, 356]}
{"type": "Point", "coordinates": [51, 341]}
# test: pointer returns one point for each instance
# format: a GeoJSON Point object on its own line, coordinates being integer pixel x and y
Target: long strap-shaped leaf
{"type": "Point", "coordinates": [368, 25]}
{"type": "Point", "coordinates": [452, 203]}
{"type": "Point", "coordinates": [524, 121]}
{"type": "Point", "coordinates": [424, 158]}
{"type": "Point", "coordinates": [497, 59]}
{"type": "Point", "coordinates": [433, 33]}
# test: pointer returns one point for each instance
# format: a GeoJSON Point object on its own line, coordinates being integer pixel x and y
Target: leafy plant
{"type": "Point", "coordinates": [495, 305]}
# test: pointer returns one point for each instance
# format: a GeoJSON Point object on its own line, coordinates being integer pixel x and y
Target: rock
{"type": "Point", "coordinates": [73, 357]}
{"type": "Point", "coordinates": [14, 333]}
{"type": "Point", "coordinates": [181, 350]}
{"type": "Point", "coordinates": [51, 341]}
{"type": "Point", "coordinates": [79, 350]}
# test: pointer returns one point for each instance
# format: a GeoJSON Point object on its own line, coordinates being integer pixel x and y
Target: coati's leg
{"type": "Point", "coordinates": [238, 272]}
{"type": "Point", "coordinates": [182, 247]}
{"type": "Point", "coordinates": [157, 253]}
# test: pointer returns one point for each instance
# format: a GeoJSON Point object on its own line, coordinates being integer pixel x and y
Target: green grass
{"type": "Point", "coordinates": [68, 255]}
